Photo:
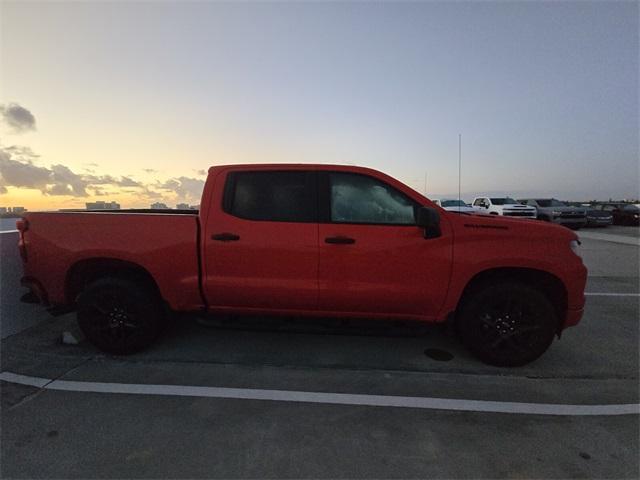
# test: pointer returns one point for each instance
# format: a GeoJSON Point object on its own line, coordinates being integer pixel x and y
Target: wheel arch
{"type": "Point", "coordinates": [547, 283]}
{"type": "Point", "coordinates": [88, 270]}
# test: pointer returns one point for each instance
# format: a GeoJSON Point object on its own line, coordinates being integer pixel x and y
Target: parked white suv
{"type": "Point", "coordinates": [454, 205]}
{"type": "Point", "coordinates": [503, 206]}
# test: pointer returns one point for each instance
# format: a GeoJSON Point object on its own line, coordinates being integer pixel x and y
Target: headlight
{"type": "Point", "coordinates": [575, 247]}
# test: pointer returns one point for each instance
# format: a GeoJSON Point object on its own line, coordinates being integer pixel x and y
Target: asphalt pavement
{"type": "Point", "coordinates": [181, 425]}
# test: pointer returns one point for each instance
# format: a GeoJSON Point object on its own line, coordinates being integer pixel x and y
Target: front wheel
{"type": "Point", "coordinates": [506, 324]}
{"type": "Point", "coordinates": [119, 316]}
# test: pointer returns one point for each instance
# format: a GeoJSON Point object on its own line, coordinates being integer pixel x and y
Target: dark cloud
{"type": "Point", "coordinates": [150, 171]}
{"type": "Point", "coordinates": [201, 172]}
{"type": "Point", "coordinates": [22, 174]}
{"type": "Point", "coordinates": [17, 117]}
{"type": "Point", "coordinates": [127, 182]}
{"type": "Point", "coordinates": [64, 180]}
{"type": "Point", "coordinates": [60, 189]}
{"type": "Point", "coordinates": [17, 169]}
{"type": "Point", "coordinates": [186, 188]}
{"type": "Point", "coordinates": [22, 152]}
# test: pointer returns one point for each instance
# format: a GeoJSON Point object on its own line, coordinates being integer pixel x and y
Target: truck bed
{"type": "Point", "coordinates": [163, 243]}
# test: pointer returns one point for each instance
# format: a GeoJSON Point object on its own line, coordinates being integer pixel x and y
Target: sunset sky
{"type": "Point", "coordinates": [132, 102]}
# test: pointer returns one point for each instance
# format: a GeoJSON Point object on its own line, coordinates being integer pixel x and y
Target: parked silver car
{"type": "Point", "coordinates": [552, 210]}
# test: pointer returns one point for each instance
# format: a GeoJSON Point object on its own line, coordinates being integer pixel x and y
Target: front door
{"type": "Point", "coordinates": [373, 258]}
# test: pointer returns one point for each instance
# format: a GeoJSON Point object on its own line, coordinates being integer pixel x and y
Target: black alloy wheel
{"type": "Point", "coordinates": [119, 316]}
{"type": "Point", "coordinates": [507, 324]}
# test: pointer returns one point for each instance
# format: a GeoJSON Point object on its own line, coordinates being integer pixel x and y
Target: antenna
{"type": "Point", "coordinates": [459, 164]}
{"type": "Point", "coordinates": [425, 184]}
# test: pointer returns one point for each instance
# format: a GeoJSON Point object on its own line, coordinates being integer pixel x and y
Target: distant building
{"type": "Point", "coordinates": [12, 211]}
{"type": "Point", "coordinates": [103, 205]}
{"type": "Point", "coordinates": [159, 206]}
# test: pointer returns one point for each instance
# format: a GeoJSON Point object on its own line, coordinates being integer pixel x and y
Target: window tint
{"type": "Point", "coordinates": [362, 199]}
{"type": "Point", "coordinates": [504, 201]}
{"type": "Point", "coordinates": [551, 203]}
{"type": "Point", "coordinates": [453, 203]}
{"type": "Point", "coordinates": [272, 196]}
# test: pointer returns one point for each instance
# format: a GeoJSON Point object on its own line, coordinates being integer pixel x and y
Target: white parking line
{"type": "Point", "coordinates": [430, 403]}
{"type": "Point", "coordinates": [612, 294]}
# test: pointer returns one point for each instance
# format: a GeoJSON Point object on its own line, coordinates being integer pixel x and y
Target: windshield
{"type": "Point", "coordinates": [453, 203]}
{"type": "Point", "coordinates": [551, 203]}
{"type": "Point", "coordinates": [503, 201]}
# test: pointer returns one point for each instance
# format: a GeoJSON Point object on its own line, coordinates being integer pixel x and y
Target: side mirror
{"type": "Point", "coordinates": [429, 219]}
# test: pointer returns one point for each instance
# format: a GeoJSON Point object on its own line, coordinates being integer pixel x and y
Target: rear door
{"type": "Point", "coordinates": [261, 239]}
{"type": "Point", "coordinates": [373, 258]}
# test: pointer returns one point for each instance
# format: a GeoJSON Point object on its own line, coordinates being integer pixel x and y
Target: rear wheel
{"type": "Point", "coordinates": [119, 316]}
{"type": "Point", "coordinates": [507, 324]}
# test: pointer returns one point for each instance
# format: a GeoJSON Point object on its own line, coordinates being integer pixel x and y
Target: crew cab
{"type": "Point", "coordinates": [313, 240]}
{"type": "Point", "coordinates": [505, 206]}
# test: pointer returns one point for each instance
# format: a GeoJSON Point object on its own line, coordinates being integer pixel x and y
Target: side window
{"type": "Point", "coordinates": [477, 202]}
{"type": "Point", "coordinates": [361, 199]}
{"type": "Point", "coordinates": [276, 196]}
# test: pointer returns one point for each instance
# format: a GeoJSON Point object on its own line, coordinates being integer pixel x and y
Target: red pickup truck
{"type": "Point", "coordinates": [314, 240]}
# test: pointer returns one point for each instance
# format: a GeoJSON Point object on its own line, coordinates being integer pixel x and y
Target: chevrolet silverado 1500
{"type": "Point", "coordinates": [315, 240]}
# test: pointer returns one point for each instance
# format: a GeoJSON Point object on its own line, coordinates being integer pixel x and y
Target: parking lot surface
{"type": "Point", "coordinates": [88, 431]}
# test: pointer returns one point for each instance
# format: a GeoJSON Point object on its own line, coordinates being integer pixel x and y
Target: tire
{"type": "Point", "coordinates": [119, 316]}
{"type": "Point", "coordinates": [506, 324]}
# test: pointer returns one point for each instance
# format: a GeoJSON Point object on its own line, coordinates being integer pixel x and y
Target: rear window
{"type": "Point", "coordinates": [276, 196]}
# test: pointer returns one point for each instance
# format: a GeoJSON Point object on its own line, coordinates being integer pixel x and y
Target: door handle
{"type": "Point", "coordinates": [225, 237]}
{"type": "Point", "coordinates": [340, 240]}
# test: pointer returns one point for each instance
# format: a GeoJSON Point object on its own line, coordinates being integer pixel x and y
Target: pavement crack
{"type": "Point", "coordinates": [41, 389]}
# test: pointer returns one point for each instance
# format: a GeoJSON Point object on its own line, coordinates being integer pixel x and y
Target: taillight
{"type": "Point", "coordinates": [22, 225]}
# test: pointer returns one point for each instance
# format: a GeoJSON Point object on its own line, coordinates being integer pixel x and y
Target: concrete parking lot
{"type": "Point", "coordinates": [298, 399]}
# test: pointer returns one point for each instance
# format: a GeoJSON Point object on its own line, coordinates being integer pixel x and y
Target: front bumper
{"type": "Point", "coordinates": [599, 220]}
{"type": "Point", "coordinates": [573, 317]}
{"type": "Point", "coordinates": [570, 222]}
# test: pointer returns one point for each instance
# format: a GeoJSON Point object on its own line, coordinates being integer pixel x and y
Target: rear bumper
{"type": "Point", "coordinates": [36, 289]}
